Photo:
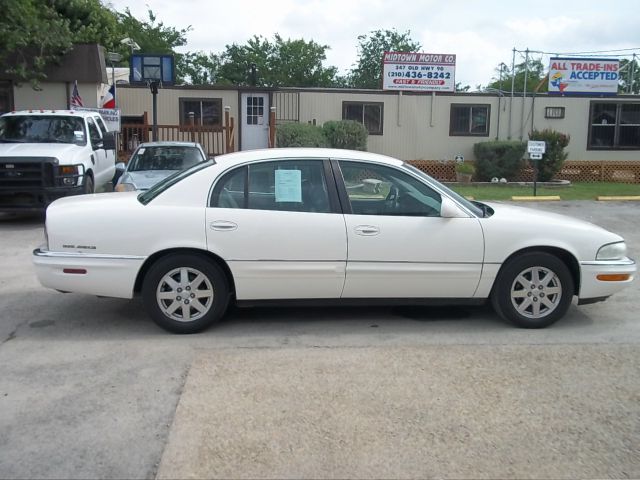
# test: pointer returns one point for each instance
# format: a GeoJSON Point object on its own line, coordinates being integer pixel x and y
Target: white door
{"type": "Point", "coordinates": [282, 235]}
{"type": "Point", "coordinates": [399, 246]}
{"type": "Point", "coordinates": [255, 121]}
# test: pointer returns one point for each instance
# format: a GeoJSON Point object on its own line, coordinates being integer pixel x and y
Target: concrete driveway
{"type": "Point", "coordinates": [89, 387]}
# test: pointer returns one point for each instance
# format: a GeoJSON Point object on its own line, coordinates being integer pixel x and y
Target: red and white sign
{"type": "Point", "coordinates": [427, 72]}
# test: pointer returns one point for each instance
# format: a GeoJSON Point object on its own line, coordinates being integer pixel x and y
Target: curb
{"type": "Point", "coordinates": [541, 198]}
{"type": "Point", "coordinates": [619, 198]}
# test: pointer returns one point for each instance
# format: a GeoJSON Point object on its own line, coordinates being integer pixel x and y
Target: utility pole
{"type": "Point", "coordinates": [524, 91]}
{"type": "Point", "coordinates": [513, 84]}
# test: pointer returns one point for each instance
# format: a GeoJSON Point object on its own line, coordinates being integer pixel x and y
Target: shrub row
{"type": "Point", "coordinates": [504, 159]}
{"type": "Point", "coordinates": [346, 134]}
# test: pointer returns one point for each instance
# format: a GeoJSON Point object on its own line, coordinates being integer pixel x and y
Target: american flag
{"type": "Point", "coordinates": [76, 99]}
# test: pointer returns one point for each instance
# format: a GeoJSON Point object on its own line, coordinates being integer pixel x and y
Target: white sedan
{"type": "Point", "coordinates": [314, 226]}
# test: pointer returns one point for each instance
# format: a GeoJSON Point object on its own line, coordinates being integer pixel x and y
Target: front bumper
{"type": "Point", "coordinates": [34, 199]}
{"type": "Point", "coordinates": [592, 288]}
{"type": "Point", "coordinates": [92, 273]}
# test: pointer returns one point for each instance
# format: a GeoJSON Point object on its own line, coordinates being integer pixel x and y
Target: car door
{"type": "Point", "coordinates": [398, 244]}
{"type": "Point", "coordinates": [99, 155]}
{"type": "Point", "coordinates": [278, 226]}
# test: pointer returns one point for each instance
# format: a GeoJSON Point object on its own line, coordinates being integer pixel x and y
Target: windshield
{"type": "Point", "coordinates": [457, 197]}
{"type": "Point", "coordinates": [165, 158]}
{"type": "Point", "coordinates": [171, 180]}
{"type": "Point", "coordinates": [42, 129]}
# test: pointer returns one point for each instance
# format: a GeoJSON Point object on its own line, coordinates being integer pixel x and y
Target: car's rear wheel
{"type": "Point", "coordinates": [185, 293]}
{"type": "Point", "coordinates": [533, 290]}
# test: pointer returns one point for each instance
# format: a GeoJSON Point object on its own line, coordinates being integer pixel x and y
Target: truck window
{"type": "Point", "coordinates": [42, 129]}
{"type": "Point", "coordinates": [101, 124]}
{"type": "Point", "coordinates": [94, 133]}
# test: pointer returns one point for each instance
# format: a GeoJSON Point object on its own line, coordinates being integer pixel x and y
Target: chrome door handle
{"type": "Point", "coordinates": [367, 230]}
{"type": "Point", "coordinates": [223, 226]}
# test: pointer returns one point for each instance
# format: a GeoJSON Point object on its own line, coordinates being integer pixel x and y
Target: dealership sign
{"type": "Point", "coordinates": [579, 76]}
{"type": "Point", "coordinates": [426, 72]}
{"type": "Point", "coordinates": [111, 116]}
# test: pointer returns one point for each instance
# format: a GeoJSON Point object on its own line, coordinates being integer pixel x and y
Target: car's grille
{"type": "Point", "coordinates": [25, 173]}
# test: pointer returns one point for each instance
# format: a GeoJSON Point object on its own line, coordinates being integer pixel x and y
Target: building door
{"type": "Point", "coordinates": [255, 121]}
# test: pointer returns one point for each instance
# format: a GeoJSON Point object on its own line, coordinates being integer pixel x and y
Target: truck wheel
{"type": "Point", "coordinates": [185, 293]}
{"type": "Point", "coordinates": [88, 184]}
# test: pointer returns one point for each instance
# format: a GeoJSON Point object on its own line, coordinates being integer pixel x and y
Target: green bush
{"type": "Point", "coordinates": [501, 159]}
{"type": "Point", "coordinates": [346, 134]}
{"type": "Point", "coordinates": [554, 157]}
{"type": "Point", "coordinates": [300, 135]}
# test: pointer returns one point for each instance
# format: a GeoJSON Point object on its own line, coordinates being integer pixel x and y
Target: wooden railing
{"type": "Point", "coordinates": [215, 140]}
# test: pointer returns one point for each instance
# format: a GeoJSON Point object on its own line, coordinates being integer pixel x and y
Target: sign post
{"type": "Point", "coordinates": [535, 149]}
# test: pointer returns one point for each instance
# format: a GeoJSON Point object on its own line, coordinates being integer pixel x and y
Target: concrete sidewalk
{"type": "Point", "coordinates": [552, 411]}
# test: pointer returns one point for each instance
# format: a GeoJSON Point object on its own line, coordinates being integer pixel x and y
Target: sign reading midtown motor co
{"type": "Point", "coordinates": [427, 72]}
{"type": "Point", "coordinates": [581, 76]}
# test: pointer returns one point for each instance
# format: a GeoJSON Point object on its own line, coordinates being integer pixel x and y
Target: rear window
{"type": "Point", "coordinates": [170, 181]}
{"type": "Point", "coordinates": [165, 158]}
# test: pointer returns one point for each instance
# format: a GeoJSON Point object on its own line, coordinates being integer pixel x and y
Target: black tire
{"type": "Point", "coordinates": [517, 294]}
{"type": "Point", "coordinates": [88, 184]}
{"type": "Point", "coordinates": [192, 312]}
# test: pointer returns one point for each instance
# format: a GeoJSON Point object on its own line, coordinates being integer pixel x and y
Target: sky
{"type": "Point", "coordinates": [481, 34]}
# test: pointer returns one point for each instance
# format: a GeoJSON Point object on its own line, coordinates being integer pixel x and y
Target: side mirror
{"type": "Point", "coordinates": [449, 209]}
{"type": "Point", "coordinates": [120, 168]}
{"type": "Point", "coordinates": [109, 141]}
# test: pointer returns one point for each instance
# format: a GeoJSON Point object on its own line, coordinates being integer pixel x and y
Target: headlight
{"type": "Point", "coordinates": [612, 251]}
{"type": "Point", "coordinates": [125, 187]}
{"type": "Point", "coordinates": [68, 175]}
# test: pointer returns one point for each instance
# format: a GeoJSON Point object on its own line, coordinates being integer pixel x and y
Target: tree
{"type": "Point", "coordinates": [627, 69]}
{"type": "Point", "coordinates": [368, 71]}
{"type": "Point", "coordinates": [198, 68]}
{"type": "Point", "coordinates": [32, 36]}
{"type": "Point", "coordinates": [535, 76]}
{"type": "Point", "coordinates": [291, 63]}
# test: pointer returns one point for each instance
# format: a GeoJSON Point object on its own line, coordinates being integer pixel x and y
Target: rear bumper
{"type": "Point", "coordinates": [95, 274]}
{"type": "Point", "coordinates": [34, 199]}
{"type": "Point", "coordinates": [592, 288]}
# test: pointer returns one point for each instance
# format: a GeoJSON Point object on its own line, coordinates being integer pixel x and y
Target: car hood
{"type": "Point", "coordinates": [57, 150]}
{"type": "Point", "coordinates": [145, 179]}
{"type": "Point", "coordinates": [515, 227]}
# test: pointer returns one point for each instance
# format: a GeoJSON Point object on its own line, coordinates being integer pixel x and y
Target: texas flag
{"type": "Point", "coordinates": [109, 99]}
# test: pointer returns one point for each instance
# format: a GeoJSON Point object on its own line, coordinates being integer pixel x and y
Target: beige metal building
{"type": "Point", "coordinates": [410, 126]}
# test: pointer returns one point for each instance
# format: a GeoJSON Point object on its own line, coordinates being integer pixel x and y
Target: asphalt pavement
{"type": "Point", "coordinates": [90, 387]}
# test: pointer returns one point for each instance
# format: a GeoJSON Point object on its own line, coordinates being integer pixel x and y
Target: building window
{"type": "Point", "coordinates": [206, 111]}
{"type": "Point", "coordinates": [554, 112]}
{"type": "Point", "coordinates": [614, 126]}
{"type": "Point", "coordinates": [469, 120]}
{"type": "Point", "coordinates": [371, 115]}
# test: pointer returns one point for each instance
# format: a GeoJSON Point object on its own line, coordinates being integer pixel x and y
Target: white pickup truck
{"type": "Point", "coordinates": [48, 154]}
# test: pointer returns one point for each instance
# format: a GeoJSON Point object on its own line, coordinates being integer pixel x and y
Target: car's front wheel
{"type": "Point", "coordinates": [185, 293]}
{"type": "Point", "coordinates": [533, 290]}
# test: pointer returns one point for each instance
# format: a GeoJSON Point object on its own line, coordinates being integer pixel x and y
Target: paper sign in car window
{"type": "Point", "coordinates": [288, 186]}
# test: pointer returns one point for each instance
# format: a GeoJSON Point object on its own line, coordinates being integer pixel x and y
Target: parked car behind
{"type": "Point", "coordinates": [154, 161]}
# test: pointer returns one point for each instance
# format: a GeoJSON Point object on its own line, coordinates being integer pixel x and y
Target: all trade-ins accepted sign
{"type": "Point", "coordinates": [580, 76]}
{"type": "Point", "coordinates": [426, 72]}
